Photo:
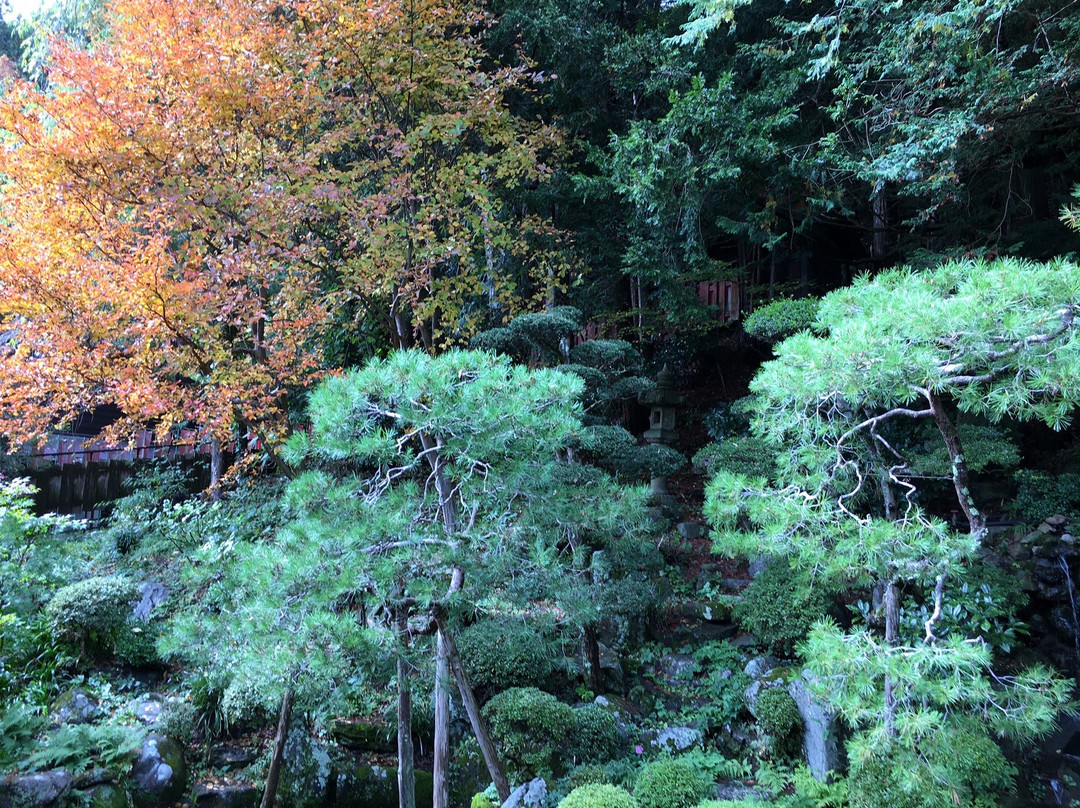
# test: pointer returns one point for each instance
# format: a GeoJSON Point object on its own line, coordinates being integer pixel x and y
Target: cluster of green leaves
{"type": "Point", "coordinates": [712, 692]}
{"type": "Point", "coordinates": [671, 783]}
{"type": "Point", "coordinates": [598, 795]}
{"type": "Point", "coordinates": [539, 736]}
{"type": "Point", "coordinates": [993, 340]}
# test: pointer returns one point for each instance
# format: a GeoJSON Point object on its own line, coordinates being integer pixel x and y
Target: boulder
{"type": "Point", "coordinates": [35, 790]}
{"type": "Point", "coordinates": [760, 666]}
{"type": "Point", "coordinates": [226, 796]}
{"type": "Point", "coordinates": [368, 786]}
{"type": "Point", "coordinates": [106, 795]}
{"type": "Point", "coordinates": [677, 666]}
{"type": "Point", "coordinates": [151, 595]}
{"type": "Point", "coordinates": [148, 708]}
{"type": "Point", "coordinates": [739, 792]}
{"type": "Point", "coordinates": [820, 742]}
{"type": "Point", "coordinates": [160, 773]}
{"type": "Point", "coordinates": [307, 773]}
{"type": "Point", "coordinates": [671, 739]}
{"type": "Point", "coordinates": [532, 794]}
{"type": "Point", "coordinates": [75, 706]}
{"type": "Point", "coordinates": [224, 756]}
{"type": "Point", "coordinates": [363, 735]}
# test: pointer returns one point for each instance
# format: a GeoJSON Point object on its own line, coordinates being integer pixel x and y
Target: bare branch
{"type": "Point", "coordinates": [939, 591]}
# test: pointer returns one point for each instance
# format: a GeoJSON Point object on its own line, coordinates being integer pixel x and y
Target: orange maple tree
{"type": "Point", "coordinates": [187, 206]}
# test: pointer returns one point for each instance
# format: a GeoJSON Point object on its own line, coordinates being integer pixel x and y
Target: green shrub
{"type": "Point", "coordinates": [244, 703]}
{"type": "Point", "coordinates": [587, 774]}
{"type": "Point", "coordinates": [1040, 495]}
{"type": "Point", "coordinates": [595, 733]}
{"type": "Point", "coordinates": [534, 731]}
{"type": "Point", "coordinates": [91, 611]}
{"type": "Point", "coordinates": [598, 795]}
{"type": "Point", "coordinates": [482, 800]}
{"type": "Point", "coordinates": [740, 454]}
{"type": "Point", "coordinates": [177, 720]}
{"type": "Point", "coordinates": [728, 803]}
{"type": "Point", "coordinates": [777, 712]}
{"type": "Point", "coordinates": [500, 654]}
{"type": "Point", "coordinates": [780, 606]}
{"type": "Point", "coordinates": [781, 318]}
{"type": "Point", "coordinates": [135, 645]}
{"type": "Point", "coordinates": [961, 768]}
{"type": "Point", "coordinates": [84, 746]}
{"type": "Point", "coordinates": [671, 783]}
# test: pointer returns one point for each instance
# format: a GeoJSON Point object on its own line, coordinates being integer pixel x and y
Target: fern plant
{"type": "Point", "coordinates": [83, 746]}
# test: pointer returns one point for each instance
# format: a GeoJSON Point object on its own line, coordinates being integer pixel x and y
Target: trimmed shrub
{"type": "Point", "coordinates": [534, 731]}
{"type": "Point", "coordinates": [91, 611]}
{"type": "Point", "coordinates": [595, 733]}
{"type": "Point", "coordinates": [781, 318]}
{"type": "Point", "coordinates": [671, 783]}
{"type": "Point", "coordinates": [598, 795]}
{"type": "Point", "coordinates": [780, 606]}
{"type": "Point", "coordinates": [501, 654]}
{"type": "Point", "coordinates": [777, 713]}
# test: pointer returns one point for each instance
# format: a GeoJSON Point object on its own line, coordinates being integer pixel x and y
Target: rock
{"type": "Point", "coordinates": [760, 666]}
{"type": "Point", "coordinates": [735, 584]}
{"type": "Point", "coordinates": [148, 708]}
{"type": "Point", "coordinates": [368, 736]}
{"type": "Point", "coordinates": [739, 792]}
{"type": "Point", "coordinates": [76, 706]}
{"type": "Point", "coordinates": [306, 772]}
{"type": "Point", "coordinates": [93, 777]}
{"type": "Point", "coordinates": [708, 612]}
{"type": "Point", "coordinates": [532, 794]}
{"type": "Point", "coordinates": [151, 595]}
{"type": "Point", "coordinates": [820, 743]}
{"type": "Point", "coordinates": [745, 641]}
{"type": "Point", "coordinates": [160, 773]}
{"type": "Point", "coordinates": [672, 739]}
{"type": "Point", "coordinates": [226, 796]}
{"type": "Point", "coordinates": [758, 565]}
{"type": "Point", "coordinates": [376, 787]}
{"type": "Point", "coordinates": [677, 666]}
{"type": "Point", "coordinates": [106, 795]}
{"type": "Point", "coordinates": [35, 790]}
{"type": "Point", "coordinates": [691, 530]}
{"type": "Point", "coordinates": [224, 756]}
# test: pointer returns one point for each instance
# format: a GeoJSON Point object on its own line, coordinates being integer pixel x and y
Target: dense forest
{"type": "Point", "coordinates": [551, 404]}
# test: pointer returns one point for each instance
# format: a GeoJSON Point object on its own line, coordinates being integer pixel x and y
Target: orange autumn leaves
{"type": "Point", "coordinates": [185, 208]}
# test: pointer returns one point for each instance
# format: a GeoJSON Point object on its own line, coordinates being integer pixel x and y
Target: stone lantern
{"type": "Point", "coordinates": [664, 401]}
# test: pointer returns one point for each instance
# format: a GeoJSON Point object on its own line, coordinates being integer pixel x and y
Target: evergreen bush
{"type": "Point", "coordinates": [501, 654]}
{"type": "Point", "coordinates": [781, 318]}
{"type": "Point", "coordinates": [534, 730]}
{"type": "Point", "coordinates": [595, 733]}
{"type": "Point", "coordinates": [93, 610]}
{"type": "Point", "coordinates": [777, 713]}
{"type": "Point", "coordinates": [671, 783]}
{"type": "Point", "coordinates": [598, 795]}
{"type": "Point", "coordinates": [779, 606]}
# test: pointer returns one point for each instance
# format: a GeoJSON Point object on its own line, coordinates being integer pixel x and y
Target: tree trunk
{"type": "Point", "coordinates": [892, 637]}
{"type": "Point", "coordinates": [591, 648]}
{"type": "Point", "coordinates": [479, 727]}
{"type": "Point", "coordinates": [406, 776]}
{"type": "Point", "coordinates": [217, 465]}
{"type": "Point", "coordinates": [441, 753]}
{"type": "Point", "coordinates": [273, 775]}
{"type": "Point", "coordinates": [960, 474]}
{"type": "Point", "coordinates": [879, 244]}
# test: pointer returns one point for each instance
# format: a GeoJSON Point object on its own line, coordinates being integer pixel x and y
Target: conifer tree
{"type": "Point", "coordinates": [997, 340]}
